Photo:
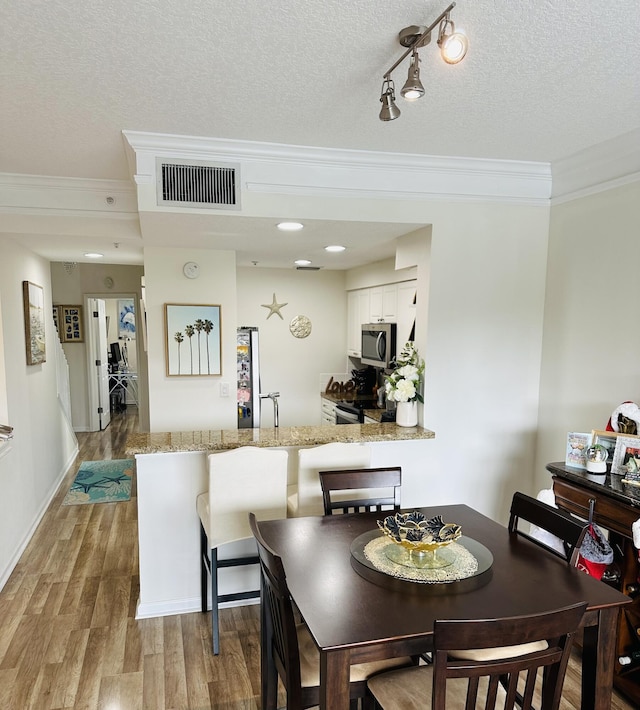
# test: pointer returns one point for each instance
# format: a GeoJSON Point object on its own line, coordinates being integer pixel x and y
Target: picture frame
{"type": "Point", "coordinates": [577, 445]}
{"type": "Point", "coordinates": [56, 317]}
{"type": "Point", "coordinates": [71, 324]}
{"type": "Point", "coordinates": [126, 319]}
{"type": "Point", "coordinates": [607, 439]}
{"type": "Point", "coordinates": [193, 343]}
{"type": "Point", "coordinates": [626, 445]}
{"type": "Point", "coordinates": [34, 323]}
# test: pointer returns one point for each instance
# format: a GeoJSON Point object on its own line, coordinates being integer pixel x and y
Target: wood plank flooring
{"type": "Point", "coordinates": [68, 636]}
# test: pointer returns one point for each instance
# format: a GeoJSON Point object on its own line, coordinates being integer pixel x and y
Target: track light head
{"type": "Point", "coordinates": [389, 110]}
{"type": "Point", "coordinates": [453, 45]}
{"type": "Point", "coordinates": [413, 88]}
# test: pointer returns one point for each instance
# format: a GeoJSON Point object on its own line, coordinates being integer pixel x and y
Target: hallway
{"type": "Point", "coordinates": [68, 636]}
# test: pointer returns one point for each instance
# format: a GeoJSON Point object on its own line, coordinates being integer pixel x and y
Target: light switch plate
{"type": "Point", "coordinates": [224, 389]}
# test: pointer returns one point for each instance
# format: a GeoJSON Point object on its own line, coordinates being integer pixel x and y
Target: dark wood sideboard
{"type": "Point", "coordinates": [616, 508]}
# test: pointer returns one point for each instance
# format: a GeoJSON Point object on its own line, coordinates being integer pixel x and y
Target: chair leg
{"type": "Point", "coordinates": [204, 572]}
{"type": "Point", "coordinates": [215, 625]}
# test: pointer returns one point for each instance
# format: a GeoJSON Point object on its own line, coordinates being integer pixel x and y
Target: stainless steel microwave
{"type": "Point", "coordinates": [378, 344]}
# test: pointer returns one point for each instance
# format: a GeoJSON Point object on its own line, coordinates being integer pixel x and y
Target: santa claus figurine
{"type": "Point", "coordinates": [625, 419]}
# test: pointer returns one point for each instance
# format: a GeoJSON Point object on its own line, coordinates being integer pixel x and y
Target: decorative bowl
{"type": "Point", "coordinates": [420, 537]}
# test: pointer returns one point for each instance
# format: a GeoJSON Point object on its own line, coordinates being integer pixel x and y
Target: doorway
{"type": "Point", "coordinates": [112, 357]}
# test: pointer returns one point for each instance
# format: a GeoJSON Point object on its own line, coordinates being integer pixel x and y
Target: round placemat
{"type": "Point", "coordinates": [462, 564]}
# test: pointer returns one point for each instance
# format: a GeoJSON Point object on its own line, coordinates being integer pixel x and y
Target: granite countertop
{"type": "Point", "coordinates": [222, 440]}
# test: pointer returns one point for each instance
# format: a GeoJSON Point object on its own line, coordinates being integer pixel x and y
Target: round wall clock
{"type": "Point", "coordinates": [108, 282]}
{"type": "Point", "coordinates": [190, 270]}
{"type": "Point", "coordinates": [300, 326]}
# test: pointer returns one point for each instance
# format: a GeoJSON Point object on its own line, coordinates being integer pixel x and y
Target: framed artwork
{"type": "Point", "coordinates": [70, 326]}
{"type": "Point", "coordinates": [126, 319]}
{"type": "Point", "coordinates": [577, 445]}
{"type": "Point", "coordinates": [33, 304]}
{"type": "Point", "coordinates": [627, 447]}
{"type": "Point", "coordinates": [193, 346]}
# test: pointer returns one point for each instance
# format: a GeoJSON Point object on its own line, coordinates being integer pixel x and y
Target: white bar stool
{"type": "Point", "coordinates": [243, 480]}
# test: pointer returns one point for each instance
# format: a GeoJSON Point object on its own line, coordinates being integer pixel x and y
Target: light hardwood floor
{"type": "Point", "coordinates": [68, 636]}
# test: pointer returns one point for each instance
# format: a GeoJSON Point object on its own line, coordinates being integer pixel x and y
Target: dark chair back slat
{"type": "Point", "coordinates": [386, 481]}
{"type": "Point", "coordinates": [555, 521]}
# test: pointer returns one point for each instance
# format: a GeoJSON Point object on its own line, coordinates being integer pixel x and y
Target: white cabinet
{"type": "Point", "coordinates": [390, 303]}
{"type": "Point", "coordinates": [328, 411]}
{"type": "Point", "coordinates": [375, 304]}
{"type": "Point", "coordinates": [358, 312]}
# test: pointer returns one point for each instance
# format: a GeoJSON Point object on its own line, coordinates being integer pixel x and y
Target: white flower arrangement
{"type": "Point", "coordinates": [403, 384]}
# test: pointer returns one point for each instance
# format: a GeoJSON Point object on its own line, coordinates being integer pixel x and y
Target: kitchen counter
{"type": "Point", "coordinates": [171, 470]}
{"type": "Point", "coordinates": [223, 440]}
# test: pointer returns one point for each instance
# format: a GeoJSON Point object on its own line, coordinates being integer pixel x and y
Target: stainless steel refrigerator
{"type": "Point", "coordinates": [248, 389]}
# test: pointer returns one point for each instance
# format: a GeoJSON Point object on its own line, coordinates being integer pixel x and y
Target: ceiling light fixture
{"type": "Point", "coordinates": [335, 247]}
{"type": "Point", "coordinates": [302, 262]}
{"type": "Point", "coordinates": [453, 48]}
{"type": "Point", "coordinates": [93, 255]}
{"type": "Point", "coordinates": [290, 226]}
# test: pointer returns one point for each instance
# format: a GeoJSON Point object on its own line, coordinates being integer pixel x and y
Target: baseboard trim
{"type": "Point", "coordinates": [6, 572]}
{"type": "Point", "coordinates": [182, 606]}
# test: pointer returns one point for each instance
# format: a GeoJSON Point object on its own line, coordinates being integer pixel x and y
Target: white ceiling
{"type": "Point", "coordinates": [543, 80]}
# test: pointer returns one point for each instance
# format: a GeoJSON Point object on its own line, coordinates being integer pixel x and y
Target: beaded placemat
{"type": "Point", "coordinates": [463, 564]}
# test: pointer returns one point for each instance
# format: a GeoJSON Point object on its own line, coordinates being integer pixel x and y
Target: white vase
{"type": "Point", "coordinates": [406, 413]}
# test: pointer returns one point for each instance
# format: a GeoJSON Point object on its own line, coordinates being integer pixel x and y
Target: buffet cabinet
{"type": "Point", "coordinates": [616, 506]}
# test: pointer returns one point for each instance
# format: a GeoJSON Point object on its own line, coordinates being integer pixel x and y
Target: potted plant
{"type": "Point", "coordinates": [403, 385]}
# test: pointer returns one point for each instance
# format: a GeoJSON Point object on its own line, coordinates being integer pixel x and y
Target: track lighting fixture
{"type": "Point", "coordinates": [453, 48]}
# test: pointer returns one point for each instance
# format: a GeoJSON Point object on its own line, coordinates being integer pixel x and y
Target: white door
{"type": "Point", "coordinates": [99, 409]}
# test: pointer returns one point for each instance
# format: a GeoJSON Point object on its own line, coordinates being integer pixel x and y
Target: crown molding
{"type": "Point", "coordinates": [64, 196]}
{"type": "Point", "coordinates": [601, 167]}
{"type": "Point", "coordinates": [313, 171]}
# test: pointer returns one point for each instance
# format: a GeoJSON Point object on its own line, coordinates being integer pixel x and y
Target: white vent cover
{"type": "Point", "coordinates": [194, 183]}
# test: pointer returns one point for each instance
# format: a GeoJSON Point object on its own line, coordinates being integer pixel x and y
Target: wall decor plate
{"type": "Point", "coordinates": [300, 327]}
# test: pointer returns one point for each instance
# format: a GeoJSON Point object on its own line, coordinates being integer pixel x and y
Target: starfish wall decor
{"type": "Point", "coordinates": [274, 307]}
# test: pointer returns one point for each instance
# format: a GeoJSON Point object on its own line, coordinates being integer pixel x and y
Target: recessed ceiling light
{"type": "Point", "coordinates": [335, 247]}
{"type": "Point", "coordinates": [93, 255]}
{"type": "Point", "coordinates": [302, 262]}
{"type": "Point", "coordinates": [290, 226]}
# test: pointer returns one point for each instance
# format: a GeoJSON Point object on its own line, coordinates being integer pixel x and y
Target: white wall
{"type": "Point", "coordinates": [292, 365]}
{"type": "Point", "coordinates": [591, 354]}
{"type": "Point", "coordinates": [378, 273]}
{"type": "Point", "coordinates": [43, 447]}
{"type": "Point", "coordinates": [190, 403]}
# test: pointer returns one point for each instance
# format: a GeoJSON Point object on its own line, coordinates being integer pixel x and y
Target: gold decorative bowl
{"type": "Point", "coordinates": [421, 538]}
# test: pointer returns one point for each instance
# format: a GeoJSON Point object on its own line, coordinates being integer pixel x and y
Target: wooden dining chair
{"type": "Point", "coordinates": [288, 647]}
{"type": "Point", "coordinates": [240, 480]}
{"type": "Point", "coordinates": [459, 679]}
{"type": "Point", "coordinates": [569, 530]}
{"type": "Point", "coordinates": [360, 490]}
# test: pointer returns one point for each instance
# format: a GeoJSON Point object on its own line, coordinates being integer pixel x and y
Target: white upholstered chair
{"type": "Point", "coordinates": [241, 480]}
{"type": "Point", "coordinates": [306, 498]}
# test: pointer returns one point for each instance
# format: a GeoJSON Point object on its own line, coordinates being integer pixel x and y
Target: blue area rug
{"type": "Point", "coordinates": [101, 482]}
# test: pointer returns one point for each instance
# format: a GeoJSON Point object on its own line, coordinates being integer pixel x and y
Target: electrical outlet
{"type": "Point", "coordinates": [224, 389]}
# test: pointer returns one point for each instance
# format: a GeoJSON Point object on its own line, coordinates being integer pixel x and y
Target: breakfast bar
{"type": "Point", "coordinates": [171, 471]}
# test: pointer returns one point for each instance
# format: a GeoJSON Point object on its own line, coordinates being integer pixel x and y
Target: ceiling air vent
{"type": "Point", "coordinates": [308, 268]}
{"type": "Point", "coordinates": [198, 184]}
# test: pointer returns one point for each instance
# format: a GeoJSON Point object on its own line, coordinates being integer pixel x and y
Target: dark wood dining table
{"type": "Point", "coordinates": [354, 617]}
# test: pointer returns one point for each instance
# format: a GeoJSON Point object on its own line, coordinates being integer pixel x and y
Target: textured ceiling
{"type": "Point", "coordinates": [543, 79]}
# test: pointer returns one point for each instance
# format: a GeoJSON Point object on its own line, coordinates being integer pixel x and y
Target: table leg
{"type": "Point", "coordinates": [334, 679]}
{"type": "Point", "coordinates": [598, 661]}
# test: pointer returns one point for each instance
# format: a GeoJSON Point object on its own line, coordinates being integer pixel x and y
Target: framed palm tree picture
{"type": "Point", "coordinates": [193, 344]}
